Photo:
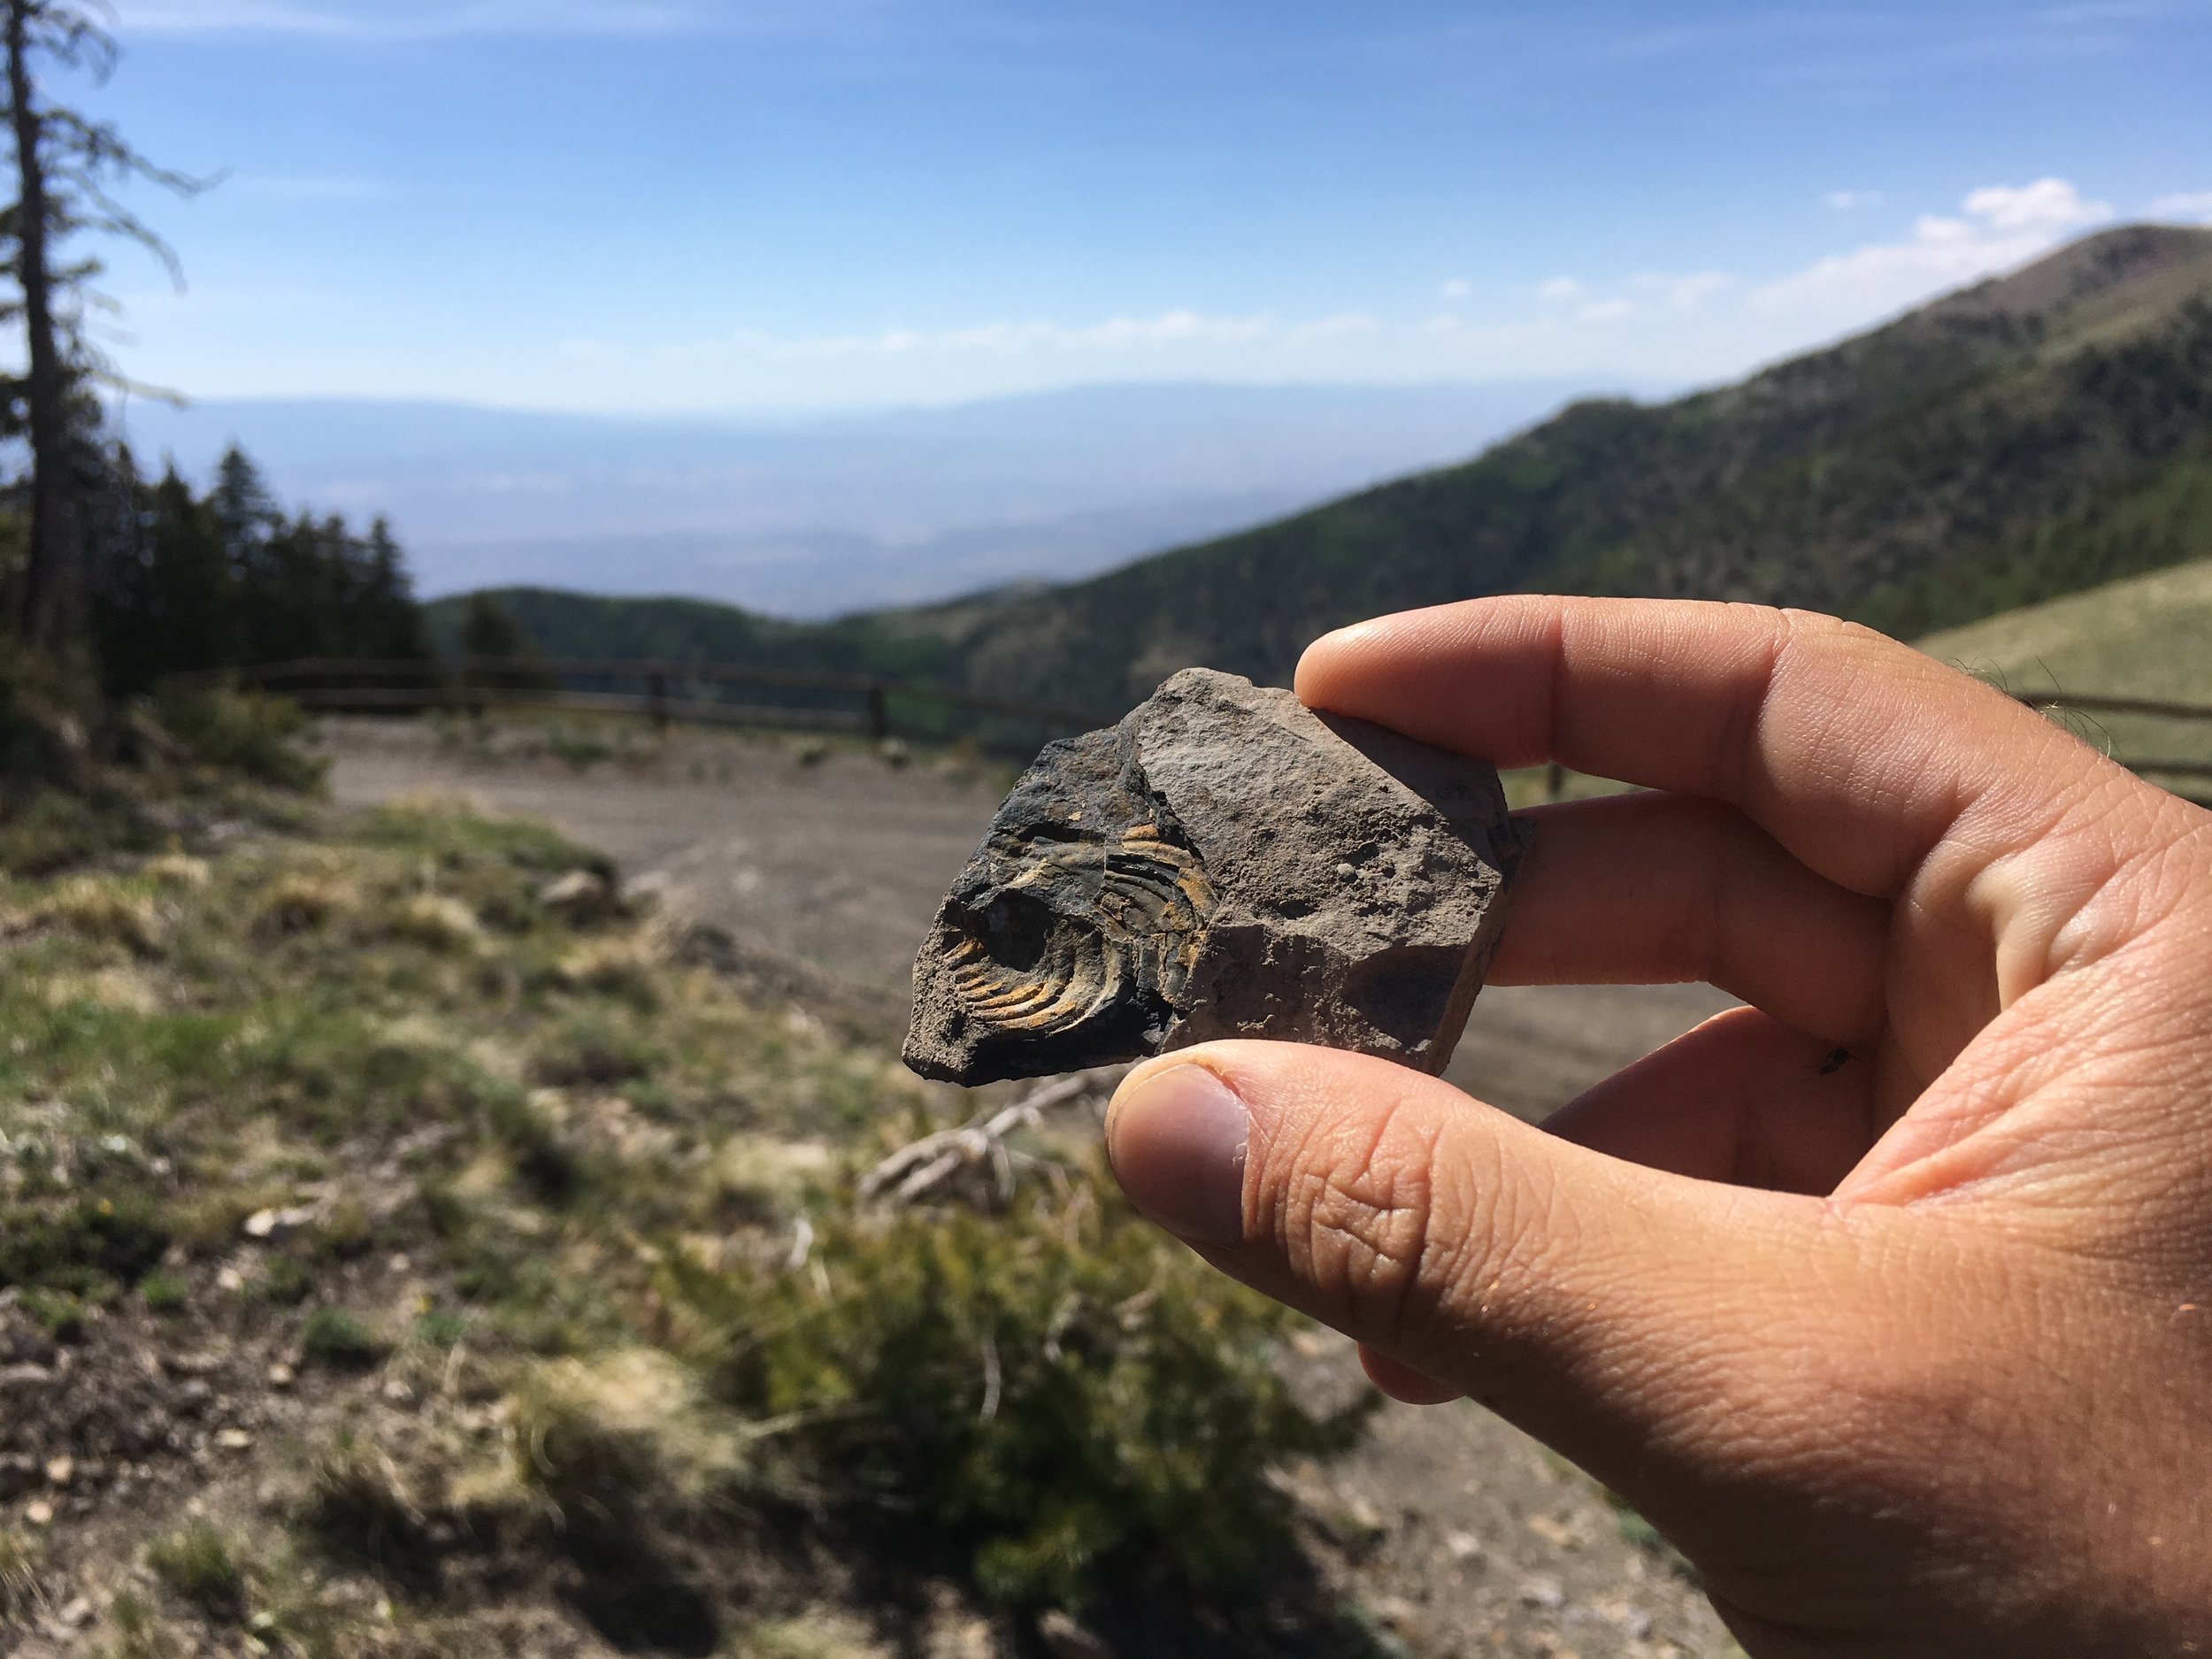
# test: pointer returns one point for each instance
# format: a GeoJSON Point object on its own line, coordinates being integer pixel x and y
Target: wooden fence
{"type": "Point", "coordinates": [664, 692]}
{"type": "Point", "coordinates": [669, 692]}
{"type": "Point", "coordinates": [2152, 708]}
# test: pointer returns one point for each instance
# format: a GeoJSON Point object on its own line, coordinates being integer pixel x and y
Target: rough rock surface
{"type": "Point", "coordinates": [1223, 864]}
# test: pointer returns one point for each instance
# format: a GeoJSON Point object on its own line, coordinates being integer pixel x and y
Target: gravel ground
{"type": "Point", "coordinates": [1460, 1535]}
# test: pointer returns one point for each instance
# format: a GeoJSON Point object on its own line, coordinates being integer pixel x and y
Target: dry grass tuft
{"type": "Point", "coordinates": [99, 911]}
{"type": "Point", "coordinates": [624, 1431]}
{"type": "Point", "coordinates": [301, 902]}
{"type": "Point", "coordinates": [437, 923]}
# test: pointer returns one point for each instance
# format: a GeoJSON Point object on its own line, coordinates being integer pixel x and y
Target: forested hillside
{"type": "Point", "coordinates": [2024, 438]}
{"type": "Point", "coordinates": [2027, 438]}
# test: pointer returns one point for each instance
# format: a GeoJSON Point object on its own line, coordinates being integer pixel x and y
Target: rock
{"type": "Point", "coordinates": [191, 1398]}
{"type": "Point", "coordinates": [38, 1512]}
{"type": "Point", "coordinates": [1222, 864]}
{"type": "Point", "coordinates": [234, 1441]}
{"type": "Point", "coordinates": [75, 1613]}
{"type": "Point", "coordinates": [1544, 1593]}
{"type": "Point", "coordinates": [1065, 1639]}
{"type": "Point", "coordinates": [1462, 1547]}
{"type": "Point", "coordinates": [61, 1470]}
{"type": "Point", "coordinates": [281, 1375]}
{"type": "Point", "coordinates": [274, 1226]}
{"type": "Point", "coordinates": [579, 896]}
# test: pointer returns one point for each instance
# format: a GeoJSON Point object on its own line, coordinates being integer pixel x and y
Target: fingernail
{"type": "Point", "coordinates": [1177, 1141]}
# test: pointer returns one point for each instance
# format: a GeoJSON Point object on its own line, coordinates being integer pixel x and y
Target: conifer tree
{"type": "Point", "coordinates": [65, 167]}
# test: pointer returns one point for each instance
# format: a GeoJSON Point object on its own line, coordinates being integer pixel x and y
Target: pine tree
{"type": "Point", "coordinates": [65, 167]}
{"type": "Point", "coordinates": [391, 621]}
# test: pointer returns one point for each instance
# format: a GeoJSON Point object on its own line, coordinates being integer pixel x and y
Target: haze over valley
{"type": "Point", "coordinates": [815, 516]}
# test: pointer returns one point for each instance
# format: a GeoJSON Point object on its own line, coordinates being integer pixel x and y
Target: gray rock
{"type": "Point", "coordinates": [1222, 864]}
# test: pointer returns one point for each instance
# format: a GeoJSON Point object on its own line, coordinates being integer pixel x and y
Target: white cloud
{"type": "Point", "coordinates": [2003, 227]}
{"type": "Point", "coordinates": [1457, 289]}
{"type": "Point", "coordinates": [2046, 205]}
{"type": "Point", "coordinates": [2194, 205]}
{"type": "Point", "coordinates": [1321, 330]}
{"type": "Point", "coordinates": [1681, 293]}
{"type": "Point", "coordinates": [1559, 289]}
{"type": "Point", "coordinates": [1852, 201]}
{"type": "Point", "coordinates": [1121, 334]}
{"type": "Point", "coordinates": [1608, 311]}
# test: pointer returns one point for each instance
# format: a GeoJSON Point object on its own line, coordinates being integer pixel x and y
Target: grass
{"type": "Point", "coordinates": [593, 1158]}
{"type": "Point", "coordinates": [199, 1566]}
{"type": "Point", "coordinates": [2145, 637]}
{"type": "Point", "coordinates": [334, 1337]}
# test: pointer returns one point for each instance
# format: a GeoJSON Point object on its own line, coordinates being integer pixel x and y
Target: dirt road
{"type": "Point", "coordinates": [838, 860]}
{"type": "Point", "coordinates": [1459, 1536]}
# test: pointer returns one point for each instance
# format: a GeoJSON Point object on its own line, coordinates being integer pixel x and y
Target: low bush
{"type": "Point", "coordinates": [86, 1246]}
{"type": "Point", "coordinates": [1067, 1397]}
{"type": "Point", "coordinates": [244, 732]}
{"type": "Point", "coordinates": [48, 830]}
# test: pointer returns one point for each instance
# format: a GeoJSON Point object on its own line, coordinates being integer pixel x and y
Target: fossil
{"type": "Point", "coordinates": [1224, 863]}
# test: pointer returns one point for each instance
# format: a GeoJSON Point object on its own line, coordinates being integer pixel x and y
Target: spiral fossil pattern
{"type": "Point", "coordinates": [1137, 926]}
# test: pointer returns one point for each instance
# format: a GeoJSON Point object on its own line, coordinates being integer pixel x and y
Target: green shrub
{"type": "Point", "coordinates": [87, 1248]}
{"type": "Point", "coordinates": [59, 1313]}
{"type": "Point", "coordinates": [1067, 1396]}
{"type": "Point", "coordinates": [333, 1337]}
{"type": "Point", "coordinates": [164, 1293]}
{"type": "Point", "coordinates": [199, 1564]}
{"type": "Point", "coordinates": [244, 732]}
{"type": "Point", "coordinates": [53, 829]}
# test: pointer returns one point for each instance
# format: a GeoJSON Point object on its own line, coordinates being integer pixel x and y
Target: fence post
{"type": "Point", "coordinates": [656, 688]}
{"type": "Point", "coordinates": [878, 711]}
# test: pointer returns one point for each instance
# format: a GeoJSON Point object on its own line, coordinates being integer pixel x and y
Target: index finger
{"type": "Point", "coordinates": [1858, 754]}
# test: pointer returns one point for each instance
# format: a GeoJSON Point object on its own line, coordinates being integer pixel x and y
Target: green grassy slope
{"type": "Point", "coordinates": [2149, 637]}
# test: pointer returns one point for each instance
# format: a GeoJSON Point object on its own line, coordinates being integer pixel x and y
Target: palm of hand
{"type": "Point", "coordinates": [1883, 1296]}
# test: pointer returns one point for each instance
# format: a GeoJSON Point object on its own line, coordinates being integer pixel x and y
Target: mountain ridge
{"type": "Point", "coordinates": [2029, 436]}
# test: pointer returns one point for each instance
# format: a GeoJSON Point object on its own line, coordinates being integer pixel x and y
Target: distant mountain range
{"type": "Point", "coordinates": [820, 516]}
{"type": "Point", "coordinates": [2028, 437]}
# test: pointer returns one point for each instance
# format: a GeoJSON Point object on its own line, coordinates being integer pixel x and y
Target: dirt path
{"type": "Point", "coordinates": [1457, 1533]}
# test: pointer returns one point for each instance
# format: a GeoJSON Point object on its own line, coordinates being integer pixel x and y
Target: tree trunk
{"type": "Point", "coordinates": [46, 573]}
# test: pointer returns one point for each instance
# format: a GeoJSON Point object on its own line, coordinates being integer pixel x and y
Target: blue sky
{"type": "Point", "coordinates": [771, 204]}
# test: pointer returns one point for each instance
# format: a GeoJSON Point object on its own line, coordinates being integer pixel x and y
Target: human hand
{"type": "Point", "coordinates": [1888, 1299]}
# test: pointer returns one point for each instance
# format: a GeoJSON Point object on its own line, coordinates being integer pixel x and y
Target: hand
{"type": "Point", "coordinates": [1888, 1298]}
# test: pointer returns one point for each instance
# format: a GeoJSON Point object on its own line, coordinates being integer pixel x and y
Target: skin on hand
{"type": "Point", "coordinates": [1887, 1298]}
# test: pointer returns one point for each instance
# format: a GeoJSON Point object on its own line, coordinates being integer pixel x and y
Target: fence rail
{"type": "Point", "coordinates": [2152, 708]}
{"type": "Point", "coordinates": [857, 702]}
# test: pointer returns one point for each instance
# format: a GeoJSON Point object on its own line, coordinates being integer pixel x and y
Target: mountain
{"type": "Point", "coordinates": [2031, 436]}
{"type": "Point", "coordinates": [2028, 437]}
{"type": "Point", "coordinates": [823, 516]}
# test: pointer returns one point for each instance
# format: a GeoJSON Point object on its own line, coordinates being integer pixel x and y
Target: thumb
{"type": "Point", "coordinates": [1600, 1305]}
